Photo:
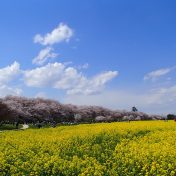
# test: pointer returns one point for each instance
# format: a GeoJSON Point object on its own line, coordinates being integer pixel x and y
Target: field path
{"type": "Point", "coordinates": [25, 126]}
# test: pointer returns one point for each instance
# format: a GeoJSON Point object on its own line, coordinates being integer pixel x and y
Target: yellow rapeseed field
{"type": "Point", "coordinates": [102, 149]}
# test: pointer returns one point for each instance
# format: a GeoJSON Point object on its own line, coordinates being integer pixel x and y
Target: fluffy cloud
{"type": "Point", "coordinates": [157, 73]}
{"type": "Point", "coordinates": [44, 55]}
{"type": "Point", "coordinates": [93, 85]}
{"type": "Point", "coordinates": [58, 75]}
{"type": "Point", "coordinates": [44, 76]}
{"type": "Point", "coordinates": [69, 79]}
{"type": "Point", "coordinates": [9, 73]}
{"type": "Point", "coordinates": [59, 34]}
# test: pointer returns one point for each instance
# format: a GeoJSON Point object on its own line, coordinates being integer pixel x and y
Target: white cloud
{"type": "Point", "coordinates": [158, 73]}
{"type": "Point", "coordinates": [93, 85]}
{"type": "Point", "coordinates": [58, 75]}
{"type": "Point", "coordinates": [44, 55]}
{"type": "Point", "coordinates": [62, 33]}
{"type": "Point", "coordinates": [6, 90]}
{"type": "Point", "coordinates": [69, 79]}
{"type": "Point", "coordinates": [44, 76]}
{"type": "Point", "coordinates": [9, 73]}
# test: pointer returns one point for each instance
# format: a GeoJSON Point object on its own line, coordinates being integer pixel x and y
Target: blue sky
{"type": "Point", "coordinates": [111, 53]}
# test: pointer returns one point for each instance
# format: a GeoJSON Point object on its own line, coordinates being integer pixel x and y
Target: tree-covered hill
{"type": "Point", "coordinates": [13, 108]}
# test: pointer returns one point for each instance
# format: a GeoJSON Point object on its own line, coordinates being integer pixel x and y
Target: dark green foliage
{"type": "Point", "coordinates": [171, 117]}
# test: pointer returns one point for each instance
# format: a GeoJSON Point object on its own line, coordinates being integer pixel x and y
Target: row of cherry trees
{"type": "Point", "coordinates": [28, 110]}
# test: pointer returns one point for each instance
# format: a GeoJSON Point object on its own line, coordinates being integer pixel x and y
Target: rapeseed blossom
{"type": "Point", "coordinates": [102, 149]}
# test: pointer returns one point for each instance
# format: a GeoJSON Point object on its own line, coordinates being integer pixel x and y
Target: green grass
{"type": "Point", "coordinates": [9, 127]}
